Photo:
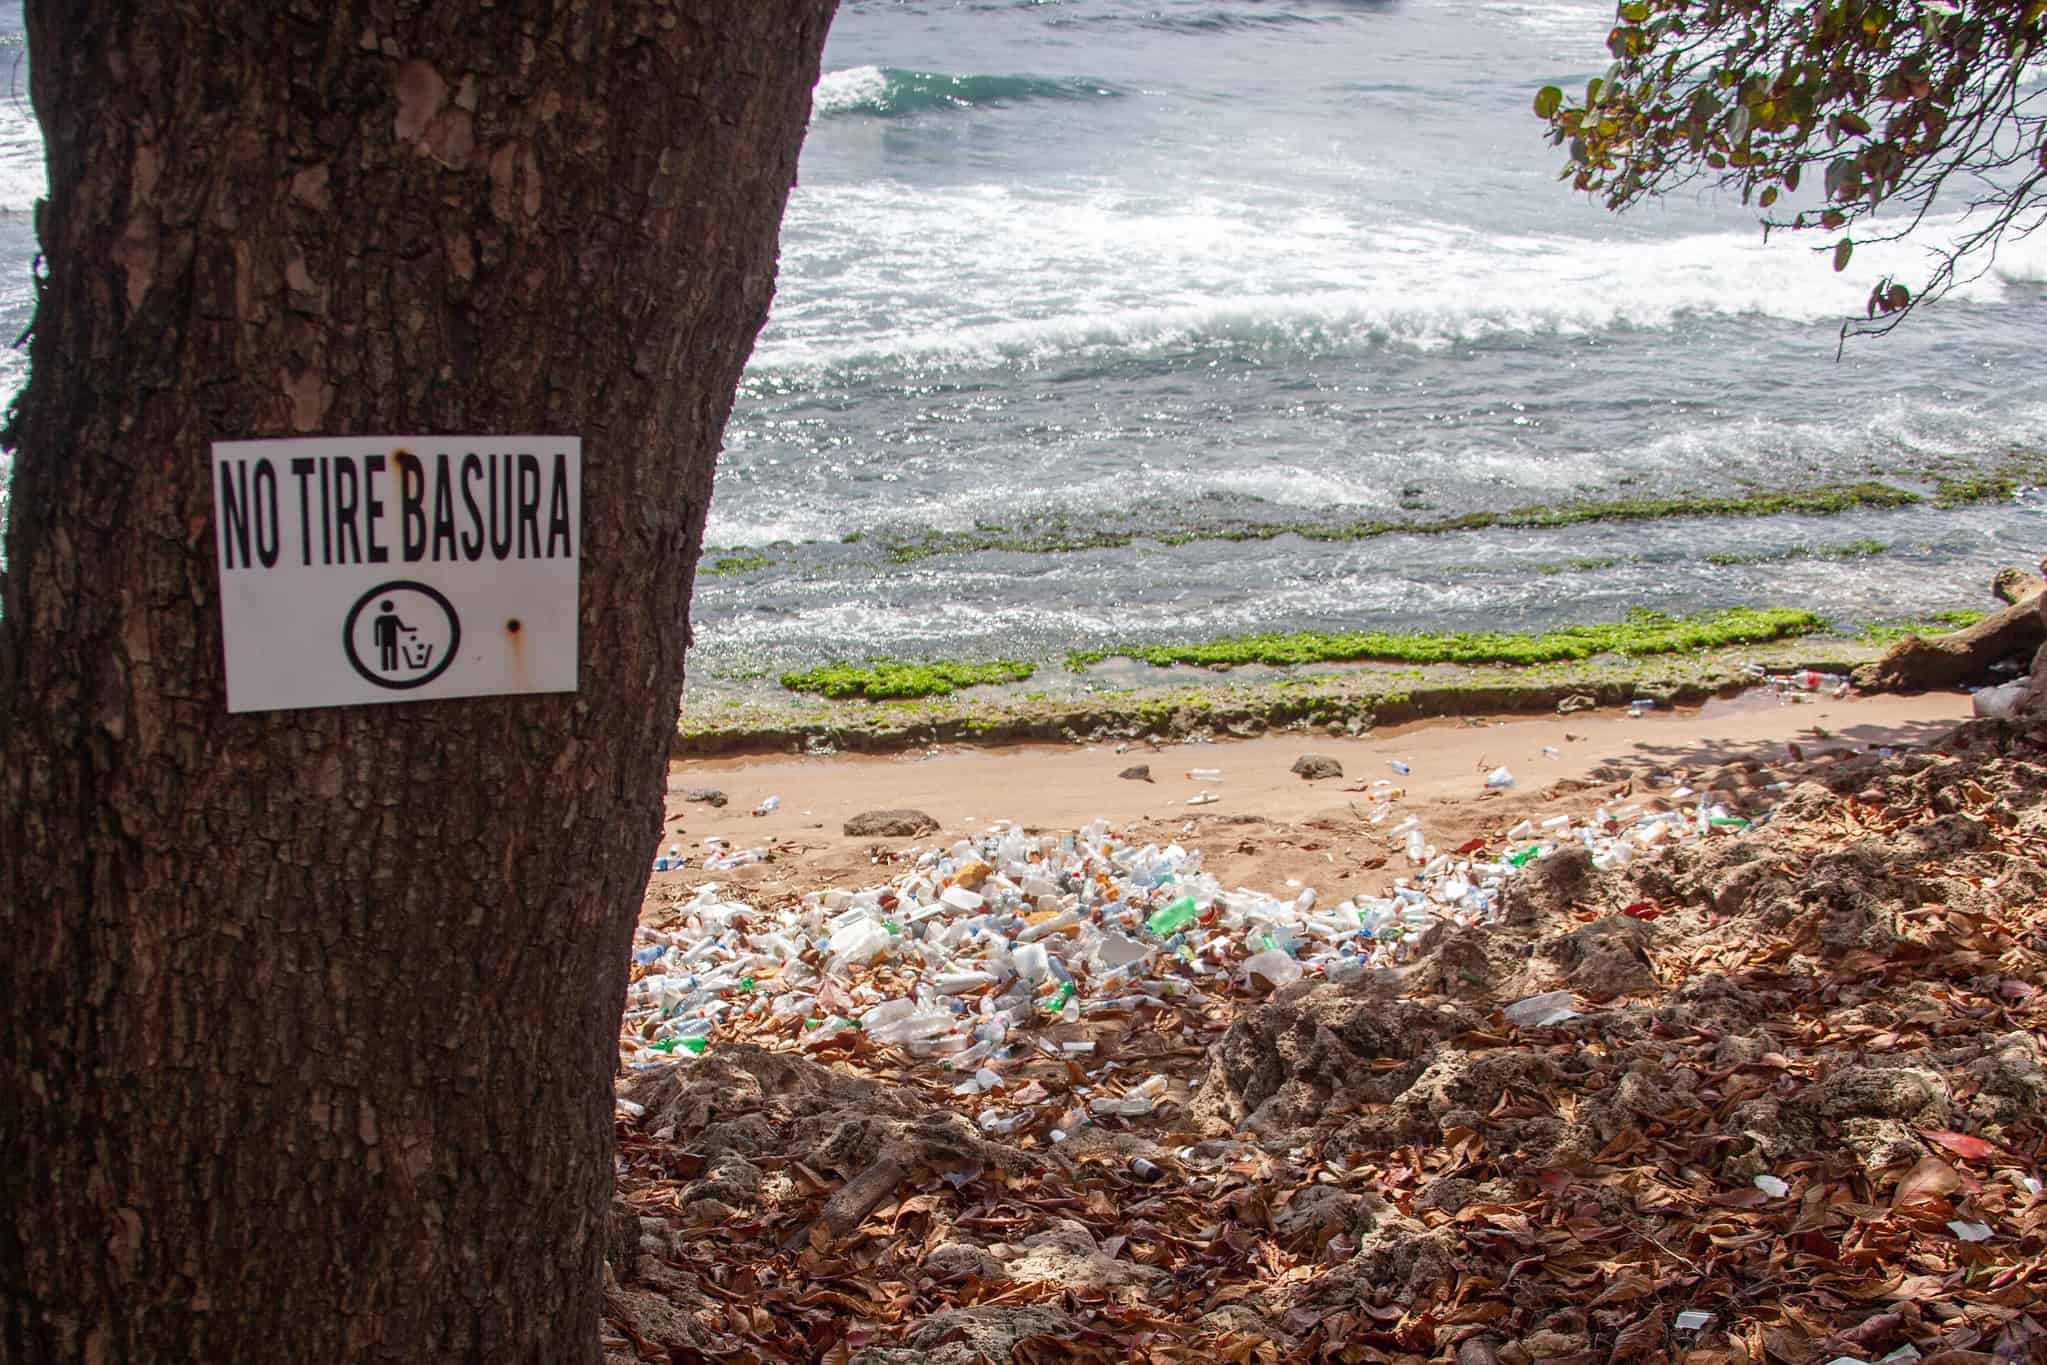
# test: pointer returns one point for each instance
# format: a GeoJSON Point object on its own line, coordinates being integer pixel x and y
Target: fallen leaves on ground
{"type": "Point", "coordinates": [1846, 1001]}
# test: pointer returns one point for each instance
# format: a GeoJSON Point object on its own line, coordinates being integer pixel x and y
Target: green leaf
{"type": "Point", "coordinates": [1842, 251]}
{"type": "Point", "coordinates": [1547, 101]}
{"type": "Point", "coordinates": [1635, 13]}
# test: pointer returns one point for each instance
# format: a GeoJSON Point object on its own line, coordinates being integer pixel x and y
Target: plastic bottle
{"type": "Point", "coordinates": [1173, 917]}
{"type": "Point", "coordinates": [920, 1026]}
{"type": "Point", "coordinates": [1046, 928]}
{"type": "Point", "coordinates": [1273, 967]}
{"type": "Point", "coordinates": [1204, 774]}
{"type": "Point", "coordinates": [959, 983]}
{"type": "Point", "coordinates": [1401, 768]}
{"type": "Point", "coordinates": [767, 805]}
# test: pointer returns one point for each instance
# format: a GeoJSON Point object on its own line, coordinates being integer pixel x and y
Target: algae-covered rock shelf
{"type": "Point", "coordinates": [1117, 699]}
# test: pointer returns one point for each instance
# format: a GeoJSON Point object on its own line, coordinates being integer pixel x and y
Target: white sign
{"type": "Point", "coordinates": [397, 568]}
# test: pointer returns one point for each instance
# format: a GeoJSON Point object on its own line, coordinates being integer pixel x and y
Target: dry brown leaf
{"type": "Point", "coordinates": [1647, 1336]}
{"type": "Point", "coordinates": [1930, 1179]}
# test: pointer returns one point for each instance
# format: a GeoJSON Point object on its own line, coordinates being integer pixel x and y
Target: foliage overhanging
{"type": "Point", "coordinates": [1870, 104]}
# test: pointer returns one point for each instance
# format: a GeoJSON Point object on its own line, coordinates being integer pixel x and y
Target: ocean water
{"type": "Point", "coordinates": [1120, 268]}
{"type": "Point", "coordinates": [1148, 266]}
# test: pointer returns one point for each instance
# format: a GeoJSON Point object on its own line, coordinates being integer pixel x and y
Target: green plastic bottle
{"type": "Point", "coordinates": [1058, 1002]}
{"type": "Point", "coordinates": [694, 1046]}
{"type": "Point", "coordinates": [1177, 915]}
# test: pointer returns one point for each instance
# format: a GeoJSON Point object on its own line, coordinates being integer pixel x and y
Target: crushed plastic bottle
{"type": "Point", "coordinates": [1273, 967]}
{"type": "Point", "coordinates": [1540, 1011]}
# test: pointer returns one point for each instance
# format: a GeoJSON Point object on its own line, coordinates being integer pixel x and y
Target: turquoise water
{"type": "Point", "coordinates": [1149, 266]}
{"type": "Point", "coordinates": [1116, 268]}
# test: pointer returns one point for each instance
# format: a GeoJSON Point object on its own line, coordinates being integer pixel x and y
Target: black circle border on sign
{"type": "Point", "coordinates": [348, 633]}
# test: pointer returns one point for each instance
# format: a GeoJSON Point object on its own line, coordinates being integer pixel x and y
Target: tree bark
{"type": "Point", "coordinates": [1915, 663]}
{"type": "Point", "coordinates": [308, 1019]}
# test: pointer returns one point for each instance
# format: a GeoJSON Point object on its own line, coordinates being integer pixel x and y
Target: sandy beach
{"type": "Point", "coordinates": [1560, 763]}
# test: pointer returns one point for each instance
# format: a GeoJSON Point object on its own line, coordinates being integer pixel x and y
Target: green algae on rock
{"type": "Point", "coordinates": [891, 679]}
{"type": "Point", "coordinates": [1940, 623]}
{"type": "Point", "coordinates": [1058, 535]}
{"type": "Point", "coordinates": [745, 561]}
{"type": "Point", "coordinates": [1642, 632]}
{"type": "Point", "coordinates": [1864, 548]}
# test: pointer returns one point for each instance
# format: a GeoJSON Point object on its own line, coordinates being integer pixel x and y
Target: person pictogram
{"type": "Point", "coordinates": [387, 629]}
{"type": "Point", "coordinates": [401, 634]}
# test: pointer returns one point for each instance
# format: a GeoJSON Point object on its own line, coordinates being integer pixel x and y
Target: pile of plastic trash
{"type": "Point", "coordinates": [1800, 685]}
{"type": "Point", "coordinates": [969, 950]}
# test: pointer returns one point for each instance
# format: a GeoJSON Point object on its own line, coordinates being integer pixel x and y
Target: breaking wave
{"type": "Point", "coordinates": [890, 92]}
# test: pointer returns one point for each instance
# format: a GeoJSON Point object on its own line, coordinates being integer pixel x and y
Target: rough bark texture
{"type": "Point", "coordinates": [1915, 664]}
{"type": "Point", "coordinates": [307, 1020]}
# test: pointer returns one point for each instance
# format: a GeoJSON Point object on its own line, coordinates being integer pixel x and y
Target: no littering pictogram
{"type": "Point", "coordinates": [401, 634]}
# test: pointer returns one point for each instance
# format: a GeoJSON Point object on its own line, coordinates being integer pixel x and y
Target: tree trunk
{"type": "Point", "coordinates": [308, 1019]}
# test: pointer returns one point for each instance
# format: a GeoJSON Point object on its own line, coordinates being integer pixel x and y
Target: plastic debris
{"type": "Point", "coordinates": [1969, 1232]}
{"type": "Point", "coordinates": [1499, 779]}
{"type": "Point", "coordinates": [1541, 1011]}
{"type": "Point", "coordinates": [975, 953]}
{"type": "Point", "coordinates": [1772, 1186]}
{"type": "Point", "coordinates": [1273, 967]}
{"type": "Point", "coordinates": [1694, 1320]}
{"type": "Point", "coordinates": [1999, 703]}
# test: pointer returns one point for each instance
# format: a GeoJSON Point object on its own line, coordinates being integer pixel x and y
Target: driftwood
{"type": "Point", "coordinates": [1917, 663]}
{"type": "Point", "coordinates": [2016, 585]}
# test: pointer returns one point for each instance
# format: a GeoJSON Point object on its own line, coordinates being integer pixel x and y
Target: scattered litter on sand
{"type": "Point", "coordinates": [1739, 1064]}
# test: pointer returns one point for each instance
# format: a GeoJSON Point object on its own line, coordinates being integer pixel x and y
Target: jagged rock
{"type": "Point", "coordinates": [1547, 886]}
{"type": "Point", "coordinates": [709, 796]}
{"type": "Point", "coordinates": [1574, 703]}
{"type": "Point", "coordinates": [1315, 766]}
{"type": "Point", "coordinates": [1288, 1063]}
{"type": "Point", "coordinates": [1066, 1253]}
{"type": "Point", "coordinates": [1138, 773]}
{"type": "Point", "coordinates": [890, 824]}
{"type": "Point", "coordinates": [961, 1336]}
